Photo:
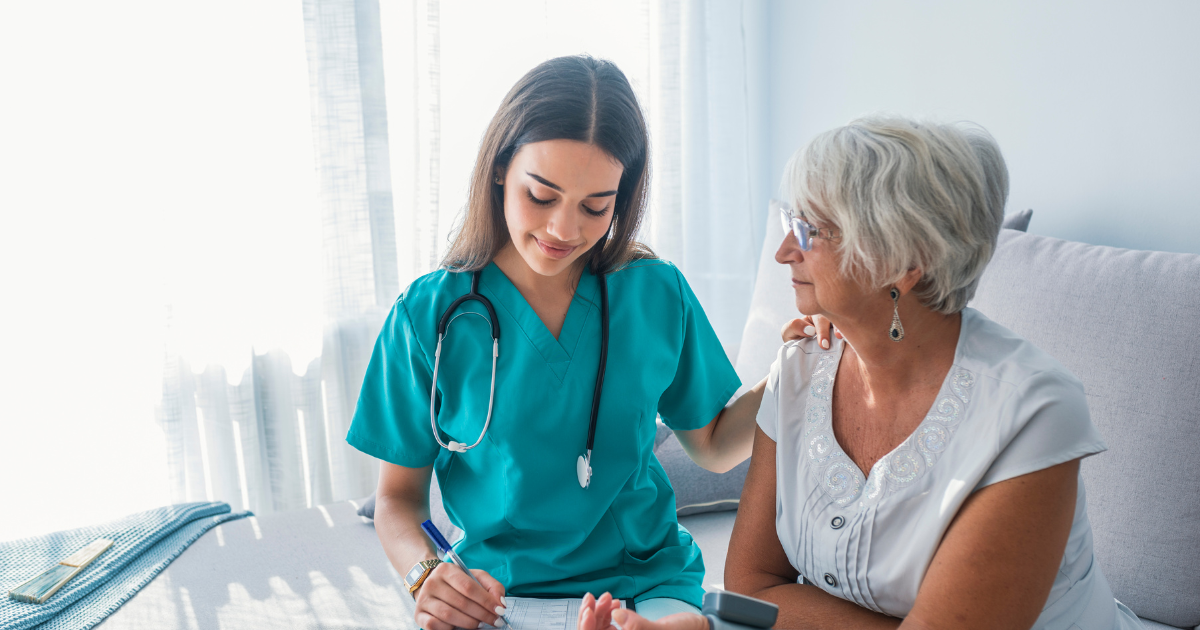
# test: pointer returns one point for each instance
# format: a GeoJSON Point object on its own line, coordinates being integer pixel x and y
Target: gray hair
{"type": "Point", "coordinates": [907, 194]}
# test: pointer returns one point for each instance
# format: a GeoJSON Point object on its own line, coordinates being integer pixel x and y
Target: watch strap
{"type": "Point", "coordinates": [428, 566]}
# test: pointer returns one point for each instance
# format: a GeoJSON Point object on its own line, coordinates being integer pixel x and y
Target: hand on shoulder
{"type": "Point", "coordinates": [810, 326]}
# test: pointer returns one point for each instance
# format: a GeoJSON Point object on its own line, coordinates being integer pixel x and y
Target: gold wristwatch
{"type": "Point", "coordinates": [416, 575]}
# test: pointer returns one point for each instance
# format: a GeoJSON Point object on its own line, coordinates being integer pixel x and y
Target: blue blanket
{"type": "Point", "coordinates": [143, 545]}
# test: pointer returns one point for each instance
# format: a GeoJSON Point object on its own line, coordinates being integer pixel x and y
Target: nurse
{"type": "Point", "coordinates": [556, 199]}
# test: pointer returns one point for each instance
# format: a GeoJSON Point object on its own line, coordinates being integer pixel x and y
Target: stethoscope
{"type": "Point", "coordinates": [583, 466]}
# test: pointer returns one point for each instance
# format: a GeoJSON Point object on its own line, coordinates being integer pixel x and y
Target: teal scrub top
{"type": "Point", "coordinates": [526, 520]}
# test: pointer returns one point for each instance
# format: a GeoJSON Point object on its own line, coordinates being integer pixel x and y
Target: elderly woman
{"type": "Point", "coordinates": [922, 471]}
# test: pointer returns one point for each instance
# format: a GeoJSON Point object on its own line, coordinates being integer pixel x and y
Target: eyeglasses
{"type": "Point", "coordinates": [805, 232]}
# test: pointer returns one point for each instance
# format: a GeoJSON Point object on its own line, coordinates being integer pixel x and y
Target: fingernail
{"type": "Point", "coordinates": [480, 626]}
{"type": "Point", "coordinates": [500, 622]}
{"type": "Point", "coordinates": [618, 615]}
{"type": "Point", "coordinates": [825, 343]}
{"type": "Point", "coordinates": [500, 610]}
{"type": "Point", "coordinates": [810, 331]}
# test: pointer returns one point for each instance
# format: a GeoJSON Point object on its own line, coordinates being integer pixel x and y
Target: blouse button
{"type": "Point", "coordinates": [830, 580]}
{"type": "Point", "coordinates": [837, 522]}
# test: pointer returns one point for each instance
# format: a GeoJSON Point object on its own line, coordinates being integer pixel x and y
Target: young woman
{"type": "Point", "coordinates": [541, 422]}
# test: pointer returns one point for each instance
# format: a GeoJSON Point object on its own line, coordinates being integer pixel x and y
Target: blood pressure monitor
{"type": "Point", "coordinates": [730, 611]}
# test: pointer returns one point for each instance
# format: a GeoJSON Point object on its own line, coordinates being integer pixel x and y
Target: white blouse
{"type": "Point", "coordinates": [1005, 409]}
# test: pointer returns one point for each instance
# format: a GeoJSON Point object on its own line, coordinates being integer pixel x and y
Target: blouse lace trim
{"type": "Point", "coordinates": [839, 478]}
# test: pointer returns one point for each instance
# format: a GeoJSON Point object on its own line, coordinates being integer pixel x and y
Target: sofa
{"type": "Point", "coordinates": [1127, 323]}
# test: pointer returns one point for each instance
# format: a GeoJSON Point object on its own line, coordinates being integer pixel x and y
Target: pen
{"type": "Point", "coordinates": [444, 547]}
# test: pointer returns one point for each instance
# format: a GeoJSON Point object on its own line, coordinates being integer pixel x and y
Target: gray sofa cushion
{"type": "Point", "coordinates": [1018, 221]}
{"type": "Point", "coordinates": [1127, 323]}
{"type": "Point", "coordinates": [697, 490]}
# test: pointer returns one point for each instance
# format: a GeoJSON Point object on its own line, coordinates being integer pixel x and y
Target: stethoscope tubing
{"type": "Point", "coordinates": [443, 325]}
{"type": "Point", "coordinates": [591, 438]}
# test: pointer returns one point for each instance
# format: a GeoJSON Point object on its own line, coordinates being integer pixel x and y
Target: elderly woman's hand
{"type": "Point", "coordinates": [599, 614]}
{"type": "Point", "coordinates": [810, 326]}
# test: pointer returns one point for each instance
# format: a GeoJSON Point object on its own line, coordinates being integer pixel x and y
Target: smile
{"type": "Point", "coordinates": [552, 251]}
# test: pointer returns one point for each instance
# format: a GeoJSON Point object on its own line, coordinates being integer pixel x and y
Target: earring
{"type": "Point", "coordinates": [896, 332]}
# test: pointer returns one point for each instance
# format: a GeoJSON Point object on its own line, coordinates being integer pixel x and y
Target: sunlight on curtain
{"type": "Point", "coordinates": [698, 69]}
{"type": "Point", "coordinates": [156, 165]}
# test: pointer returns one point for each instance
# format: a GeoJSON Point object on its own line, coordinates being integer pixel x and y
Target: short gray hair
{"type": "Point", "coordinates": [907, 194]}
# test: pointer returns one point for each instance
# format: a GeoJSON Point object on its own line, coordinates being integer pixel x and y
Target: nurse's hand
{"type": "Point", "coordinates": [811, 326]}
{"type": "Point", "coordinates": [599, 614]}
{"type": "Point", "coordinates": [448, 599]}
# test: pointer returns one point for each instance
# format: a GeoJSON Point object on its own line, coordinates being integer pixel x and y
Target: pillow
{"type": "Point", "coordinates": [1018, 220]}
{"type": "Point", "coordinates": [1143, 495]}
{"type": "Point", "coordinates": [697, 490]}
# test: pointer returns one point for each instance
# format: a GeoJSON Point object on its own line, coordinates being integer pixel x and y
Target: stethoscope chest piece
{"type": "Point", "coordinates": [583, 470]}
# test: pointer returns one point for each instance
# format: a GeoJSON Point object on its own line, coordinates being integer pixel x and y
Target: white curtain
{"type": "Point", "coordinates": [401, 92]}
{"type": "Point", "coordinates": [272, 436]}
{"type": "Point", "coordinates": [151, 153]}
{"type": "Point", "coordinates": [708, 125]}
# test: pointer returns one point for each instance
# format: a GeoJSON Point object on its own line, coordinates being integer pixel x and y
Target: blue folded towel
{"type": "Point", "coordinates": [143, 545]}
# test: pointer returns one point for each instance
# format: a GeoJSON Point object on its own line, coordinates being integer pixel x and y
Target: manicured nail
{"type": "Point", "coordinates": [825, 343]}
{"type": "Point", "coordinates": [500, 610]}
{"type": "Point", "coordinates": [480, 626]}
{"type": "Point", "coordinates": [500, 622]}
{"type": "Point", "coordinates": [810, 331]}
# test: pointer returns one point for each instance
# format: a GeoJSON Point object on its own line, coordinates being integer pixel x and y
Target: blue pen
{"type": "Point", "coordinates": [444, 547]}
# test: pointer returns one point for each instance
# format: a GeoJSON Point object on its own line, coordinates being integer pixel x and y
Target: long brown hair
{"type": "Point", "coordinates": [568, 98]}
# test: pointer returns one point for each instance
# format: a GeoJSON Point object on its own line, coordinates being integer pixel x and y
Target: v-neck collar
{"type": "Point", "coordinates": [556, 353]}
{"type": "Point", "coordinates": [843, 480]}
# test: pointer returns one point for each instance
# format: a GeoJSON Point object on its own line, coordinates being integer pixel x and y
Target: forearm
{"type": "Point", "coordinates": [728, 440]}
{"type": "Point", "coordinates": [398, 524]}
{"type": "Point", "coordinates": [806, 607]}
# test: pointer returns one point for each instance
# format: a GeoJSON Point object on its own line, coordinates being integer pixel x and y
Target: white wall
{"type": "Point", "coordinates": [1096, 105]}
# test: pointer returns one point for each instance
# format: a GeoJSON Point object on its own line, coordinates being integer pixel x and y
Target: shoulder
{"type": "Point", "coordinates": [1015, 384]}
{"type": "Point", "coordinates": [992, 352]}
{"type": "Point", "coordinates": [656, 286]}
{"type": "Point", "coordinates": [795, 366]}
{"type": "Point", "coordinates": [426, 298]}
{"type": "Point", "coordinates": [648, 274]}
{"type": "Point", "coordinates": [434, 284]}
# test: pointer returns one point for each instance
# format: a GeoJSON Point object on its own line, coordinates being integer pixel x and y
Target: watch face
{"type": "Point", "coordinates": [415, 573]}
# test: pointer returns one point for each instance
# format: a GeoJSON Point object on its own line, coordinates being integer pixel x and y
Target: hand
{"type": "Point", "coordinates": [448, 599]}
{"type": "Point", "coordinates": [599, 614]}
{"type": "Point", "coordinates": [810, 326]}
{"type": "Point", "coordinates": [596, 614]}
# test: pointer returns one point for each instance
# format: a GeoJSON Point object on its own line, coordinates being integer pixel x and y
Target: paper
{"type": "Point", "coordinates": [525, 613]}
